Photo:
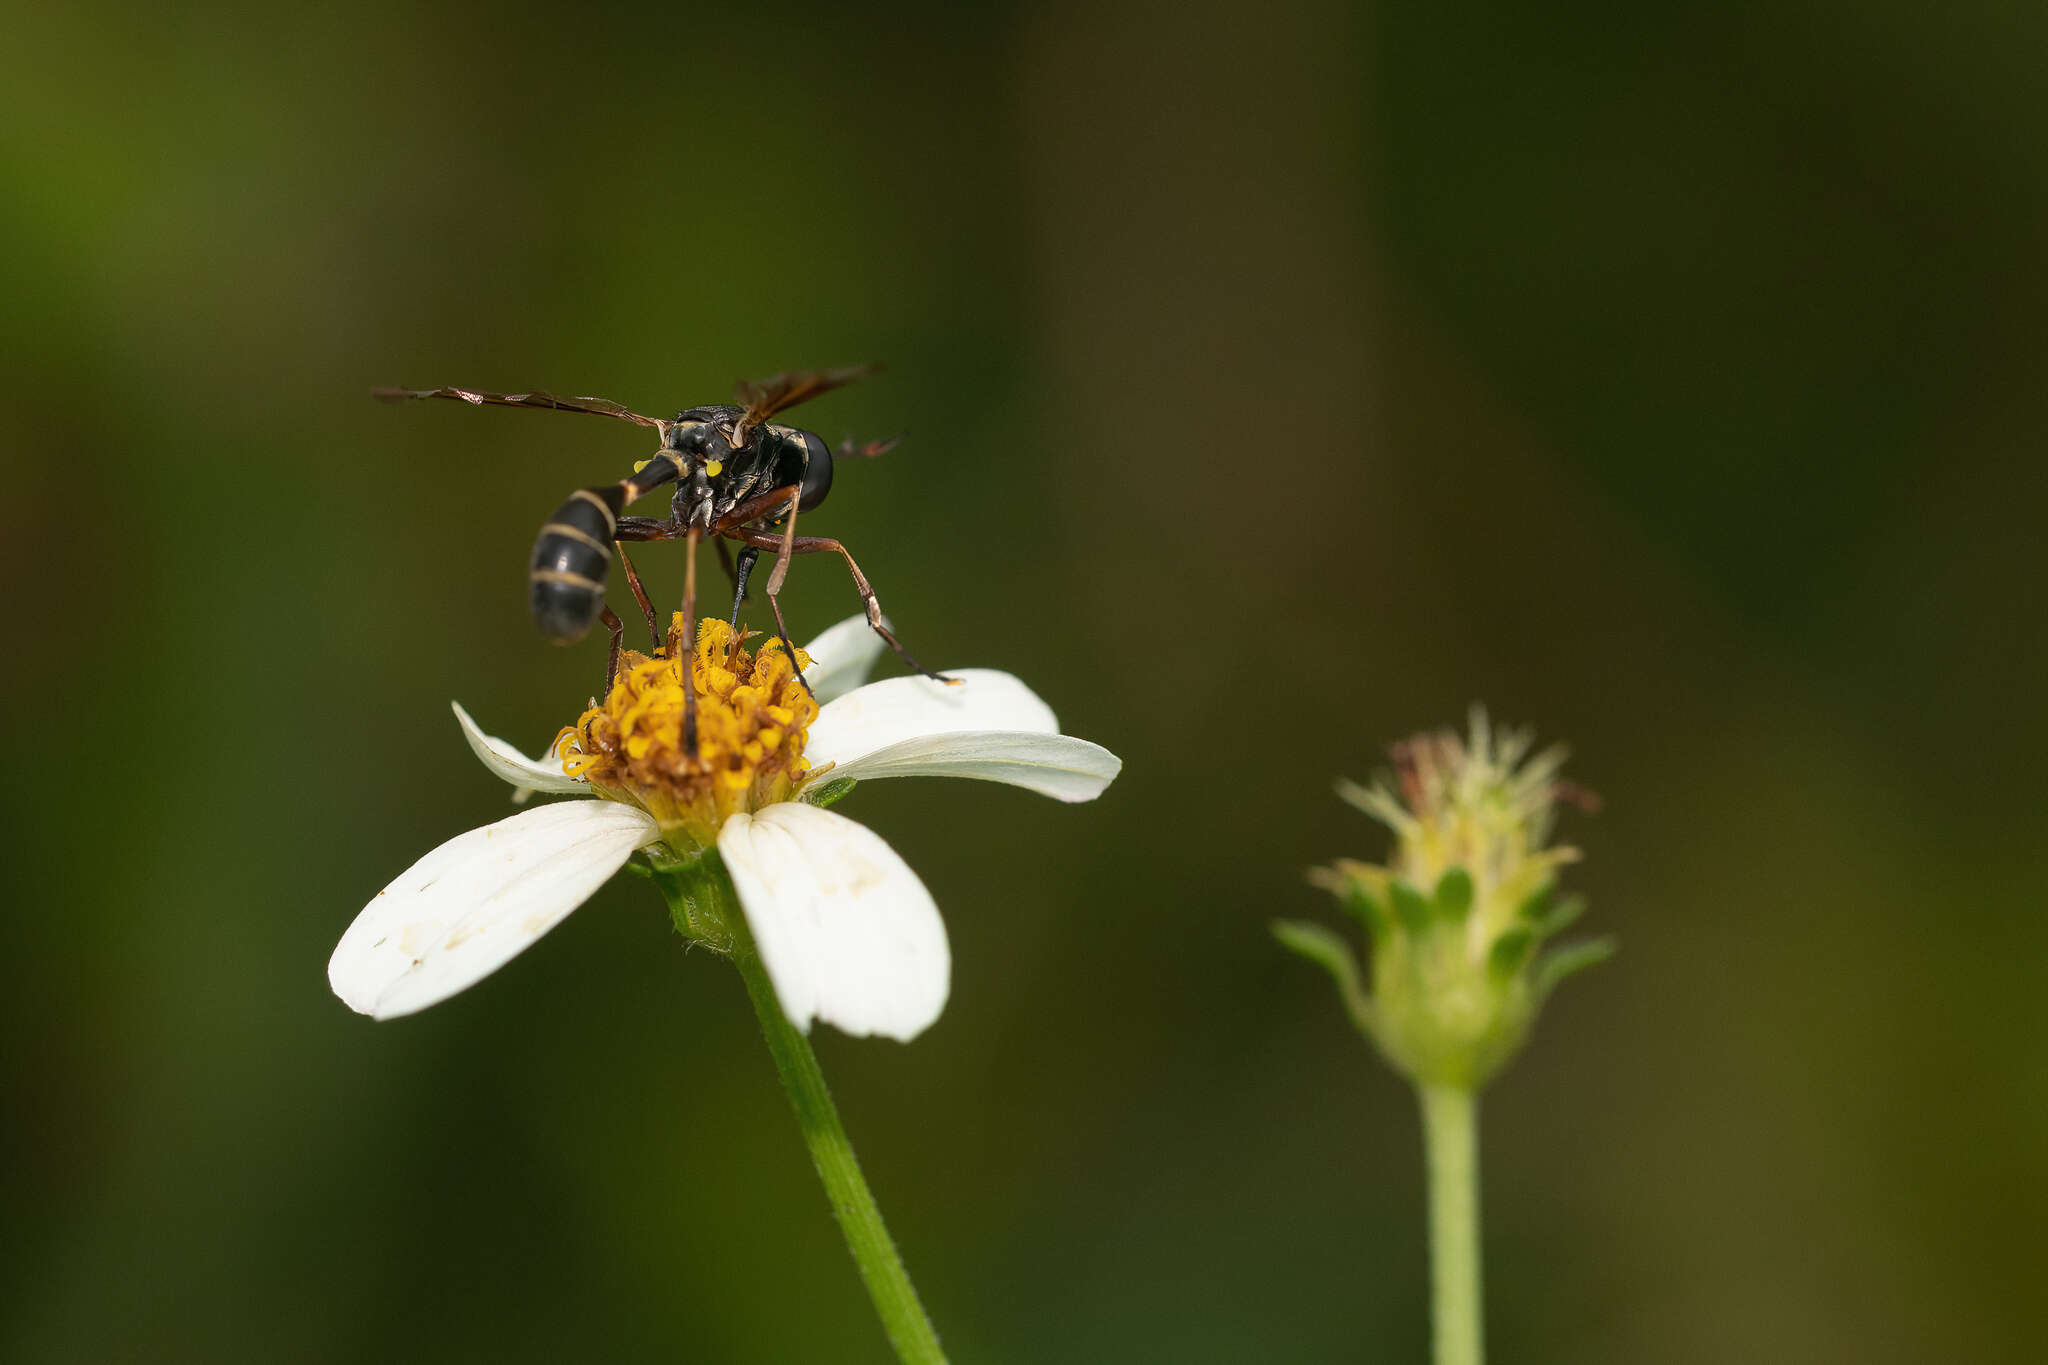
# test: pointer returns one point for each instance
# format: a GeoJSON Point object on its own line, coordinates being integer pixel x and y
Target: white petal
{"type": "Point", "coordinates": [527, 774]}
{"type": "Point", "coordinates": [847, 932]}
{"type": "Point", "coordinates": [889, 712]}
{"type": "Point", "coordinates": [841, 658]}
{"type": "Point", "coordinates": [474, 903]}
{"type": "Point", "coordinates": [1059, 766]}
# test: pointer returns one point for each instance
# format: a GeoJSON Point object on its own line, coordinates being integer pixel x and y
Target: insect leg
{"type": "Point", "coordinates": [617, 627]}
{"type": "Point", "coordinates": [748, 554]}
{"type": "Point", "coordinates": [640, 594]}
{"type": "Point", "coordinates": [646, 528]}
{"type": "Point", "coordinates": [761, 505]}
{"type": "Point", "coordinates": [807, 545]}
{"type": "Point", "coordinates": [782, 634]}
{"type": "Point", "coordinates": [782, 551]}
{"type": "Point", "coordinates": [775, 581]}
{"type": "Point", "coordinates": [686, 644]}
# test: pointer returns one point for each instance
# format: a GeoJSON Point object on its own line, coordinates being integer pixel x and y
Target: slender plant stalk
{"type": "Point", "coordinates": [1450, 1134]}
{"type": "Point", "coordinates": [895, 1298]}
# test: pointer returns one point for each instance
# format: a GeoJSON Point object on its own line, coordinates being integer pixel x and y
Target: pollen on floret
{"type": "Point", "coordinates": [752, 719]}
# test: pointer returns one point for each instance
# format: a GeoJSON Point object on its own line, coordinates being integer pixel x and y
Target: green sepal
{"type": "Point", "coordinates": [832, 792]}
{"type": "Point", "coordinates": [1559, 916]}
{"type": "Point", "coordinates": [1323, 947]}
{"type": "Point", "coordinates": [1409, 906]}
{"type": "Point", "coordinates": [1561, 962]}
{"type": "Point", "coordinates": [1365, 907]}
{"type": "Point", "coordinates": [694, 888]}
{"type": "Point", "coordinates": [1454, 895]}
{"type": "Point", "coordinates": [1536, 904]}
{"type": "Point", "coordinates": [1510, 953]}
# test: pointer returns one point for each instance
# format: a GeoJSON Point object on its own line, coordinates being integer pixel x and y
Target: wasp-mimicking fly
{"type": "Point", "coordinates": [738, 477]}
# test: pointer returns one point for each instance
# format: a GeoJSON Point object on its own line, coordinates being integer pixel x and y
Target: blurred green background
{"type": "Point", "coordinates": [1278, 379]}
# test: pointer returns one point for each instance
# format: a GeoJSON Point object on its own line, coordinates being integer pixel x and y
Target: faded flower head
{"type": "Point", "coordinates": [1460, 911]}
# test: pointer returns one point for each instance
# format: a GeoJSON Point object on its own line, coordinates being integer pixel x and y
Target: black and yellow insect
{"type": "Point", "coordinates": [738, 477]}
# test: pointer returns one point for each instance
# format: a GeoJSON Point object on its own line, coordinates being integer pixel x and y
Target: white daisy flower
{"type": "Point", "coordinates": [846, 931]}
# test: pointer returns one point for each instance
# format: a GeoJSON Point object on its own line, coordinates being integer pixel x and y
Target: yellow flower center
{"type": "Point", "coordinates": [753, 716]}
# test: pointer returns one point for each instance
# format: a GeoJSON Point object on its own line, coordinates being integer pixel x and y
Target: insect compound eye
{"type": "Point", "coordinates": [817, 474]}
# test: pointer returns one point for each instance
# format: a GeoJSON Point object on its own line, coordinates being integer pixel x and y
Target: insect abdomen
{"type": "Point", "coordinates": [571, 557]}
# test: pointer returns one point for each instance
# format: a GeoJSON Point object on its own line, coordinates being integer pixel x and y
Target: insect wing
{"type": "Point", "coordinates": [763, 398]}
{"type": "Point", "coordinates": [601, 407]}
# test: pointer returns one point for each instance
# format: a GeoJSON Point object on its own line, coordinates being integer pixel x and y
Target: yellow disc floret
{"type": "Point", "coordinates": [752, 717]}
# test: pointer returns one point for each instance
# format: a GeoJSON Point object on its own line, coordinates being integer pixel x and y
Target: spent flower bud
{"type": "Point", "coordinates": [1462, 914]}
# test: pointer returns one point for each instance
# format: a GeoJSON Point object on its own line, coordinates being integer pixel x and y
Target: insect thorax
{"type": "Point", "coordinates": [722, 476]}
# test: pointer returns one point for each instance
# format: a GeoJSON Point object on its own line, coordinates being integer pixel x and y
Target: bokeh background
{"type": "Point", "coordinates": [1278, 379]}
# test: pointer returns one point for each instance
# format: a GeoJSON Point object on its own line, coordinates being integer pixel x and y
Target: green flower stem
{"type": "Point", "coordinates": [895, 1298]}
{"type": "Point", "coordinates": [1450, 1134]}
